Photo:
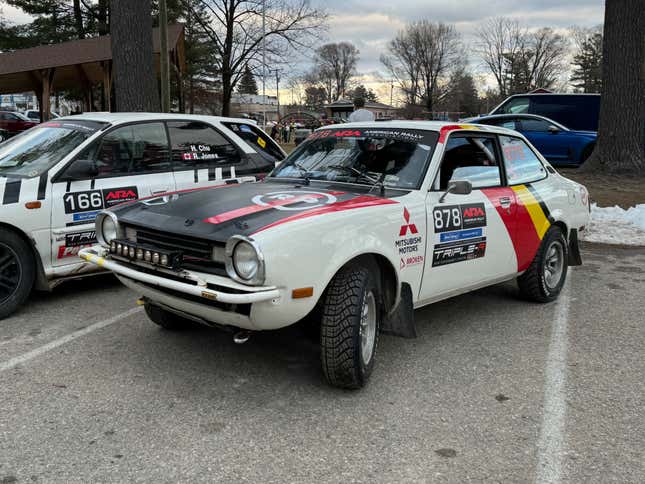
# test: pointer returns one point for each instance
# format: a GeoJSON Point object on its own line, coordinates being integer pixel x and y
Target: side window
{"type": "Point", "coordinates": [196, 145]}
{"type": "Point", "coordinates": [534, 125]}
{"type": "Point", "coordinates": [515, 106]}
{"type": "Point", "coordinates": [131, 150]}
{"type": "Point", "coordinates": [470, 158]}
{"type": "Point", "coordinates": [522, 165]}
{"type": "Point", "coordinates": [257, 140]}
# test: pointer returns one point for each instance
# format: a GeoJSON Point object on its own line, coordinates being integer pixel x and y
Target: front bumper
{"type": "Point", "coordinates": [197, 296]}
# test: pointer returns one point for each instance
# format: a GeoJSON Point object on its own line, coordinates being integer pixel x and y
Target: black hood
{"type": "Point", "coordinates": [217, 213]}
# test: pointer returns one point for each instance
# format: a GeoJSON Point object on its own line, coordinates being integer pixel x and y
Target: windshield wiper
{"type": "Point", "coordinates": [306, 173]}
{"type": "Point", "coordinates": [361, 174]}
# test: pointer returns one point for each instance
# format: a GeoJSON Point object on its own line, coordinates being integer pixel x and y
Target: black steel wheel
{"type": "Point", "coordinates": [17, 272]}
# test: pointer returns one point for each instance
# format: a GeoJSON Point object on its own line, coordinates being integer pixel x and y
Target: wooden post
{"type": "Point", "coordinates": [106, 67]}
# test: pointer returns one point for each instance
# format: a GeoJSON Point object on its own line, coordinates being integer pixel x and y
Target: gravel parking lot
{"type": "Point", "coordinates": [494, 389]}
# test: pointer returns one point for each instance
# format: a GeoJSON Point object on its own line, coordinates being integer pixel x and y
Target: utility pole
{"type": "Point", "coordinates": [264, 64]}
{"type": "Point", "coordinates": [163, 57]}
{"type": "Point", "coordinates": [277, 89]}
{"type": "Point", "coordinates": [391, 93]}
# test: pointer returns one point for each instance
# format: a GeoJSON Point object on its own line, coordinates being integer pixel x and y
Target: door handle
{"type": "Point", "coordinates": [163, 190]}
{"type": "Point", "coordinates": [505, 202]}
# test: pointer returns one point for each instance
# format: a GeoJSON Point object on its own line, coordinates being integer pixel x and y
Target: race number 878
{"type": "Point", "coordinates": [447, 218]}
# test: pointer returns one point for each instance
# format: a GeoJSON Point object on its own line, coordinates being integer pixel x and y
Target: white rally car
{"type": "Point", "coordinates": [358, 226]}
{"type": "Point", "coordinates": [55, 178]}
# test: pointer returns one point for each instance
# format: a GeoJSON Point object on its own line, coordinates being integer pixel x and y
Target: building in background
{"type": "Point", "coordinates": [254, 106]}
{"type": "Point", "coordinates": [342, 108]}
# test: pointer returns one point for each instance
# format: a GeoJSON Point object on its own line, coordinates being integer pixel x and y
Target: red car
{"type": "Point", "coordinates": [14, 123]}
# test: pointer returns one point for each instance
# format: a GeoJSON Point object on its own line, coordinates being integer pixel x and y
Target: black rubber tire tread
{"type": "Point", "coordinates": [166, 319]}
{"type": "Point", "coordinates": [340, 345]}
{"type": "Point", "coordinates": [27, 263]}
{"type": "Point", "coordinates": [531, 283]}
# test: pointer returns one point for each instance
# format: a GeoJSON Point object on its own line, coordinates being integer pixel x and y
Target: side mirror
{"type": "Point", "coordinates": [554, 129]}
{"type": "Point", "coordinates": [458, 187]}
{"type": "Point", "coordinates": [81, 170]}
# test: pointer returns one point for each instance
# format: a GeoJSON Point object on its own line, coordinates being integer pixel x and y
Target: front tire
{"type": "Point", "coordinates": [166, 319]}
{"type": "Point", "coordinates": [17, 272]}
{"type": "Point", "coordinates": [350, 324]}
{"type": "Point", "coordinates": [545, 277]}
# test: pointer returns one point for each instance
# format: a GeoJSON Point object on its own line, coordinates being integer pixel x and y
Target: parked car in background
{"type": "Point", "coordinates": [4, 135]}
{"type": "Point", "coordinates": [577, 111]}
{"type": "Point", "coordinates": [56, 177]}
{"type": "Point", "coordinates": [14, 123]}
{"type": "Point", "coordinates": [34, 115]}
{"type": "Point", "coordinates": [557, 143]}
{"type": "Point", "coordinates": [301, 135]}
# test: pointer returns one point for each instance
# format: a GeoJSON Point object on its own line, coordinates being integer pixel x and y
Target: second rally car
{"type": "Point", "coordinates": [358, 226]}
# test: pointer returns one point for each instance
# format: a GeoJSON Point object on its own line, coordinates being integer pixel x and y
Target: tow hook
{"type": "Point", "coordinates": [241, 337]}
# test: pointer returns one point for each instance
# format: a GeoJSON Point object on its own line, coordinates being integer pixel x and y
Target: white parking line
{"type": "Point", "coordinates": [30, 355]}
{"type": "Point", "coordinates": [551, 441]}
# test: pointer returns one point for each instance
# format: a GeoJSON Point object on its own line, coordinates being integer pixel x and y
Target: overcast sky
{"type": "Point", "coordinates": [370, 24]}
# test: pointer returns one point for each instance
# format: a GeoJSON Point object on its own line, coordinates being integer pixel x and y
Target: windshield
{"type": "Point", "coordinates": [35, 151]}
{"type": "Point", "coordinates": [397, 158]}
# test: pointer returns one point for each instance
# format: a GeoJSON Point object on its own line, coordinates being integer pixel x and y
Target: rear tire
{"type": "Point", "coordinates": [17, 272]}
{"type": "Point", "coordinates": [350, 325]}
{"type": "Point", "coordinates": [166, 319]}
{"type": "Point", "coordinates": [545, 277]}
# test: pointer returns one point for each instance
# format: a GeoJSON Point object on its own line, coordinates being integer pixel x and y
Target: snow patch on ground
{"type": "Point", "coordinates": [615, 225]}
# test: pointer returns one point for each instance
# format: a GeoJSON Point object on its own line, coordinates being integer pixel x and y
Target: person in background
{"type": "Point", "coordinates": [360, 114]}
{"type": "Point", "coordinates": [274, 132]}
{"type": "Point", "coordinates": [285, 136]}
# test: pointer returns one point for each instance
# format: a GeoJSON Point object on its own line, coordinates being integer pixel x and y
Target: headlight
{"type": "Point", "coordinates": [244, 260]}
{"type": "Point", "coordinates": [107, 228]}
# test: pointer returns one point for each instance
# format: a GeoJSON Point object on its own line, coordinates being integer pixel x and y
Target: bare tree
{"type": "Point", "coordinates": [235, 28]}
{"type": "Point", "coordinates": [621, 129]}
{"type": "Point", "coordinates": [420, 57]}
{"type": "Point", "coordinates": [519, 59]}
{"type": "Point", "coordinates": [335, 64]}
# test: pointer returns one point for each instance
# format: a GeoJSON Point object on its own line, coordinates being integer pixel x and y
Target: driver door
{"type": "Point", "coordinates": [128, 163]}
{"type": "Point", "coordinates": [468, 242]}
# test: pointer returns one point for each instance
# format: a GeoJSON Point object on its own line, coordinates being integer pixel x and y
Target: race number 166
{"type": "Point", "coordinates": [83, 201]}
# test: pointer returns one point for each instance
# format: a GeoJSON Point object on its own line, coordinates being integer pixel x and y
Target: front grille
{"type": "Point", "coordinates": [196, 252]}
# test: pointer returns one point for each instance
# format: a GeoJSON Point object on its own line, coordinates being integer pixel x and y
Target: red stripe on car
{"type": "Point", "coordinates": [241, 212]}
{"type": "Point", "coordinates": [358, 202]}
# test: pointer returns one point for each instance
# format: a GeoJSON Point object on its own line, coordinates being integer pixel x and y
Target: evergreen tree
{"type": "Point", "coordinates": [247, 83]}
{"type": "Point", "coordinates": [361, 91]}
{"type": "Point", "coordinates": [587, 73]}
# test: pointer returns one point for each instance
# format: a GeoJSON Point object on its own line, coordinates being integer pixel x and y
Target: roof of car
{"type": "Point", "coordinates": [521, 116]}
{"type": "Point", "coordinates": [118, 118]}
{"type": "Point", "coordinates": [424, 125]}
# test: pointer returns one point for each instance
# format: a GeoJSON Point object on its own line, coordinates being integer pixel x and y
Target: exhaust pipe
{"type": "Point", "coordinates": [241, 337]}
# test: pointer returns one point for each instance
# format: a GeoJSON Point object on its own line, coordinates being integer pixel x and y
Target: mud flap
{"type": "Point", "coordinates": [575, 259]}
{"type": "Point", "coordinates": [401, 321]}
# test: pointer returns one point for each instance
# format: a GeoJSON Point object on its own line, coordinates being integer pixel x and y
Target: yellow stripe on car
{"type": "Point", "coordinates": [526, 198]}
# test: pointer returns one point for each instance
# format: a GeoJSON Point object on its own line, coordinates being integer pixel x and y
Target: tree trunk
{"type": "Point", "coordinates": [102, 17]}
{"type": "Point", "coordinates": [227, 92]}
{"type": "Point", "coordinates": [78, 19]}
{"type": "Point", "coordinates": [621, 130]}
{"type": "Point", "coordinates": [135, 79]}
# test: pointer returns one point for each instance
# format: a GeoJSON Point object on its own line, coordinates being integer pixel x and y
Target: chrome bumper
{"type": "Point", "coordinates": [99, 256]}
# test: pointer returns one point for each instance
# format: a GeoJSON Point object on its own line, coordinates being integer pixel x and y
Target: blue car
{"type": "Point", "coordinates": [558, 144]}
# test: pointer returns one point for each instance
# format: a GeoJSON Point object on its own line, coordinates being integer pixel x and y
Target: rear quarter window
{"type": "Point", "coordinates": [521, 163]}
{"type": "Point", "coordinates": [258, 140]}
